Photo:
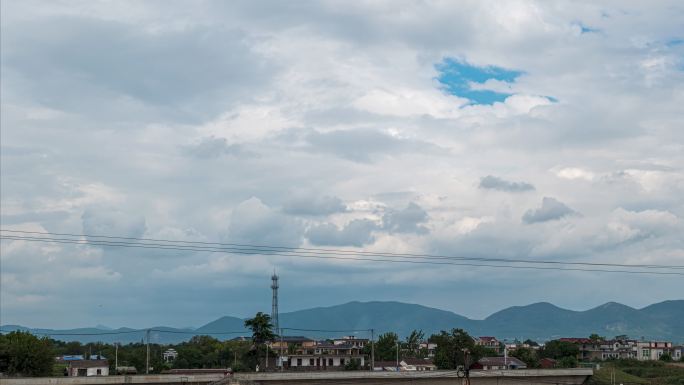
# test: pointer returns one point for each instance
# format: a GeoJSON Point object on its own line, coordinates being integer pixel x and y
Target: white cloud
{"type": "Point", "coordinates": [241, 123]}
{"type": "Point", "coordinates": [575, 173]}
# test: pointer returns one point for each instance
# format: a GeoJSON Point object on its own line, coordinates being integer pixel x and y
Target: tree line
{"type": "Point", "coordinates": [24, 354]}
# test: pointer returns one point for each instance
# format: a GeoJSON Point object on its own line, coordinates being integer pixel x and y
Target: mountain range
{"type": "Point", "coordinates": [539, 321]}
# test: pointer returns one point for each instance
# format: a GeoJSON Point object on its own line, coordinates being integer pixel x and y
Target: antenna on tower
{"type": "Point", "coordinates": [274, 303]}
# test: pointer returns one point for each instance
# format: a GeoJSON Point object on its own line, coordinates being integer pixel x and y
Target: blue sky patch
{"type": "Point", "coordinates": [584, 29]}
{"type": "Point", "coordinates": [457, 77]}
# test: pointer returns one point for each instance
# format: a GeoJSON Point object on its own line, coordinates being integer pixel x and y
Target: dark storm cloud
{"type": "Point", "coordinates": [254, 223]}
{"type": "Point", "coordinates": [407, 220]}
{"type": "Point", "coordinates": [356, 233]}
{"type": "Point", "coordinates": [496, 183]}
{"type": "Point", "coordinates": [550, 209]}
{"type": "Point", "coordinates": [90, 66]}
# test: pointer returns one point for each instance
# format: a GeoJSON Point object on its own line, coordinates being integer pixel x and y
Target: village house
{"type": "Point", "coordinates": [324, 356]}
{"type": "Point", "coordinates": [652, 350]}
{"type": "Point", "coordinates": [87, 368]}
{"type": "Point", "coordinates": [170, 355]}
{"type": "Point", "coordinates": [429, 348]}
{"type": "Point", "coordinates": [489, 342]}
{"type": "Point", "coordinates": [621, 348]}
{"type": "Point", "coordinates": [352, 340]}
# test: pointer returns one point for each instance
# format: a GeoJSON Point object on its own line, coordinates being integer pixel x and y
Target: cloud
{"type": "Point", "coordinates": [113, 222]}
{"type": "Point", "coordinates": [135, 118]}
{"type": "Point", "coordinates": [496, 183]}
{"type": "Point", "coordinates": [365, 145]}
{"type": "Point", "coordinates": [186, 73]}
{"type": "Point", "coordinates": [212, 147]}
{"type": "Point", "coordinates": [575, 173]}
{"type": "Point", "coordinates": [314, 205]}
{"type": "Point", "coordinates": [407, 220]}
{"type": "Point", "coordinates": [357, 232]}
{"type": "Point", "coordinates": [254, 223]}
{"type": "Point", "coordinates": [551, 209]}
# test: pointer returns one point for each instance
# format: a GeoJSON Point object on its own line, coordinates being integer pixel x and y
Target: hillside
{"type": "Point", "coordinates": [538, 321]}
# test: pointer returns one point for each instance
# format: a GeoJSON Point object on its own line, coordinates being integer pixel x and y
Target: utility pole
{"type": "Point", "coordinates": [282, 364]}
{"type": "Point", "coordinates": [116, 358]}
{"type": "Point", "coordinates": [373, 348]}
{"type": "Point", "coordinates": [147, 366]}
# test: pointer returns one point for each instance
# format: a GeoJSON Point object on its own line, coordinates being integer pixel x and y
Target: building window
{"type": "Point", "coordinates": [330, 362]}
{"type": "Point", "coordinates": [99, 372]}
{"type": "Point", "coordinates": [311, 362]}
{"type": "Point", "coordinates": [341, 361]}
{"type": "Point", "coordinates": [299, 362]}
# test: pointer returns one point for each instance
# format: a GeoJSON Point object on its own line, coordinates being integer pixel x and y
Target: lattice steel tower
{"type": "Point", "coordinates": [274, 303]}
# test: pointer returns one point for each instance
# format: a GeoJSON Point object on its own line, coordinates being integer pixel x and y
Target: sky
{"type": "Point", "coordinates": [519, 129]}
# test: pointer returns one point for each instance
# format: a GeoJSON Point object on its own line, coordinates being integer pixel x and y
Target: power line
{"type": "Point", "coordinates": [328, 331]}
{"type": "Point", "coordinates": [189, 332]}
{"type": "Point", "coordinates": [410, 260]}
{"type": "Point", "coordinates": [268, 249]}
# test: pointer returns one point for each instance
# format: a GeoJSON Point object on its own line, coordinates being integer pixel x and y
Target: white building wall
{"type": "Point", "coordinates": [104, 371]}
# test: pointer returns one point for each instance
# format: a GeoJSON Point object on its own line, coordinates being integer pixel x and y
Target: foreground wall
{"type": "Point", "coordinates": [485, 377]}
{"type": "Point", "coordinates": [161, 379]}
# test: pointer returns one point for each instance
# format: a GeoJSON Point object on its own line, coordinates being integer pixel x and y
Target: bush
{"type": "Point", "coordinates": [23, 354]}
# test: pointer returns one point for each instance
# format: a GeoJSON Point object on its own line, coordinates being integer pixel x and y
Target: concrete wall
{"type": "Point", "coordinates": [488, 377]}
{"type": "Point", "coordinates": [161, 379]}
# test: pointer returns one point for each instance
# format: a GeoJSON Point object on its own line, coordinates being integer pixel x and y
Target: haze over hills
{"type": "Point", "coordinates": [539, 321]}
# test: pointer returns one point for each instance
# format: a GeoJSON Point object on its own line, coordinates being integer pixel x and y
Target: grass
{"type": "Point", "coordinates": [631, 372]}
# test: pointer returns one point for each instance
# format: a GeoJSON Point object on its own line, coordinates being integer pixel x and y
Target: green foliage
{"type": "Point", "coordinates": [640, 372]}
{"type": "Point", "coordinates": [603, 377]}
{"type": "Point", "coordinates": [666, 358]}
{"type": "Point", "coordinates": [386, 347]}
{"type": "Point", "coordinates": [559, 349]}
{"type": "Point", "coordinates": [596, 338]}
{"type": "Point", "coordinates": [526, 355]}
{"type": "Point", "coordinates": [203, 352]}
{"type": "Point", "coordinates": [530, 342]}
{"type": "Point", "coordinates": [262, 329]}
{"type": "Point", "coordinates": [568, 362]}
{"type": "Point", "coordinates": [412, 344]}
{"type": "Point", "coordinates": [23, 354]}
{"type": "Point", "coordinates": [449, 353]}
{"type": "Point", "coordinates": [353, 364]}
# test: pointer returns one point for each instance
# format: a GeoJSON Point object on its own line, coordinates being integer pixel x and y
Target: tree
{"type": "Point", "coordinates": [665, 357]}
{"type": "Point", "coordinates": [530, 342]}
{"type": "Point", "coordinates": [262, 328]}
{"type": "Point", "coordinates": [353, 364]}
{"type": "Point", "coordinates": [526, 355]}
{"type": "Point", "coordinates": [596, 338]}
{"type": "Point", "coordinates": [559, 349]}
{"type": "Point", "coordinates": [262, 331]}
{"type": "Point", "coordinates": [23, 354]}
{"type": "Point", "coordinates": [386, 347]}
{"type": "Point", "coordinates": [568, 362]}
{"type": "Point", "coordinates": [449, 353]}
{"type": "Point", "coordinates": [413, 341]}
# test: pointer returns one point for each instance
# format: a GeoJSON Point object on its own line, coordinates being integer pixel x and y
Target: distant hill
{"type": "Point", "coordinates": [539, 321]}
